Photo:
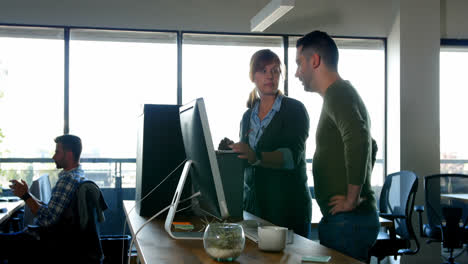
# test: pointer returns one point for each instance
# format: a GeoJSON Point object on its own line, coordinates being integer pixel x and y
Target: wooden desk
{"type": "Point", "coordinates": [155, 246]}
{"type": "Point", "coordinates": [317, 215]}
{"type": "Point", "coordinates": [11, 208]}
{"type": "Point", "coordinates": [459, 196]}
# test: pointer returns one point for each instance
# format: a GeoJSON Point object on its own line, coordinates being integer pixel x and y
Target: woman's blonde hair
{"type": "Point", "coordinates": [258, 62]}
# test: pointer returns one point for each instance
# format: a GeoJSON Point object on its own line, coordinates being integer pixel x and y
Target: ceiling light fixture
{"type": "Point", "coordinates": [270, 13]}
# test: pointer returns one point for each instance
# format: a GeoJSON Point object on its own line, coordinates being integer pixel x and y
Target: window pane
{"type": "Point", "coordinates": [216, 67]}
{"type": "Point", "coordinates": [453, 94]}
{"type": "Point", "coordinates": [362, 62]}
{"type": "Point", "coordinates": [27, 172]}
{"type": "Point", "coordinates": [31, 94]}
{"type": "Point", "coordinates": [112, 73]}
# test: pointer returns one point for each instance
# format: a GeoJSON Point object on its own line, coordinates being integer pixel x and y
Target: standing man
{"type": "Point", "coordinates": [342, 163]}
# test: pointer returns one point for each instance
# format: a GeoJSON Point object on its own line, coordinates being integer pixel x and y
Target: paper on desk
{"type": "Point", "coordinates": [183, 225]}
{"type": "Point", "coordinates": [307, 259]}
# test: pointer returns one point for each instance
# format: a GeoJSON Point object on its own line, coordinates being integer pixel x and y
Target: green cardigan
{"type": "Point", "coordinates": [280, 196]}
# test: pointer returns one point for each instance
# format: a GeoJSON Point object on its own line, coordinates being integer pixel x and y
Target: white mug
{"type": "Point", "coordinates": [272, 238]}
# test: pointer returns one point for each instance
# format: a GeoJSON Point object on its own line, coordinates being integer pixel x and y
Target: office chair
{"type": "Point", "coordinates": [446, 216]}
{"type": "Point", "coordinates": [75, 238]}
{"type": "Point", "coordinates": [396, 203]}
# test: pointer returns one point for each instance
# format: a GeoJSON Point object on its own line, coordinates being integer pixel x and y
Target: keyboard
{"type": "Point", "coordinates": [225, 151]}
{"type": "Point", "coordinates": [9, 199]}
{"type": "Point", "coordinates": [251, 233]}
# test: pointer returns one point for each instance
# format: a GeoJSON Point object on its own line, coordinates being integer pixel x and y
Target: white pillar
{"type": "Point", "coordinates": [413, 78]}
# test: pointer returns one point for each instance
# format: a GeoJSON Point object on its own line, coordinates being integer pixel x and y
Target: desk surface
{"type": "Point", "coordinates": [317, 215]}
{"type": "Point", "coordinates": [155, 246]}
{"type": "Point", "coordinates": [11, 208]}
{"type": "Point", "coordinates": [459, 196]}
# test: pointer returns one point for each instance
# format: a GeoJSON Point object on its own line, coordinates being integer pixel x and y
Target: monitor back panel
{"type": "Point", "coordinates": [160, 150]}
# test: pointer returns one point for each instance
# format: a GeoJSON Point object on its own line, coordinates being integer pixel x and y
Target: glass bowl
{"type": "Point", "coordinates": [223, 241]}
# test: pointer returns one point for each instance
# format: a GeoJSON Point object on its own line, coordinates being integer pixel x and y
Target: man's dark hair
{"type": "Point", "coordinates": [70, 143]}
{"type": "Point", "coordinates": [321, 43]}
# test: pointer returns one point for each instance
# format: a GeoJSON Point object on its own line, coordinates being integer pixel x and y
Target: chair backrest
{"type": "Point", "coordinates": [85, 237]}
{"type": "Point", "coordinates": [436, 187]}
{"type": "Point", "coordinates": [397, 198]}
{"type": "Point", "coordinates": [42, 190]}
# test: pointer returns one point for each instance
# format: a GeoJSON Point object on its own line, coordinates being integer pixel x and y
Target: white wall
{"type": "Point", "coordinates": [338, 17]}
{"type": "Point", "coordinates": [454, 23]}
{"type": "Point", "coordinates": [393, 96]}
{"type": "Point", "coordinates": [419, 100]}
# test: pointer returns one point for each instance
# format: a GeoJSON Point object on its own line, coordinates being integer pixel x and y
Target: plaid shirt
{"type": "Point", "coordinates": [62, 194]}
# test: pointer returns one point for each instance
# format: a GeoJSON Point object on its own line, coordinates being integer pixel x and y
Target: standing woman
{"type": "Point", "coordinates": [273, 133]}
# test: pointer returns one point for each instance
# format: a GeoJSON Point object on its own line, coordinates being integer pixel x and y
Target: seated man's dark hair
{"type": "Point", "coordinates": [321, 43]}
{"type": "Point", "coordinates": [71, 143]}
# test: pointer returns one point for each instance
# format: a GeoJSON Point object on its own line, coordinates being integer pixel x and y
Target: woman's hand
{"type": "Point", "coordinates": [245, 152]}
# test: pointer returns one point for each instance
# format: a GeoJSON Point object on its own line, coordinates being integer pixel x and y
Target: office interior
{"type": "Point", "coordinates": [412, 31]}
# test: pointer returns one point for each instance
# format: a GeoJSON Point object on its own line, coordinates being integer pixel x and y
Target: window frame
{"type": "Point", "coordinates": [180, 36]}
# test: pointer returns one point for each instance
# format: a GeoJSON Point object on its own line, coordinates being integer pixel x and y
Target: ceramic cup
{"type": "Point", "coordinates": [272, 238]}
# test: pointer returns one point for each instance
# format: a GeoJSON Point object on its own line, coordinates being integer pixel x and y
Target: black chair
{"type": "Point", "coordinates": [81, 221]}
{"type": "Point", "coordinates": [396, 203]}
{"type": "Point", "coordinates": [446, 216]}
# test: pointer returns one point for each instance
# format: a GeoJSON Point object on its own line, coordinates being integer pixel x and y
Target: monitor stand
{"type": "Point", "coordinates": [173, 209]}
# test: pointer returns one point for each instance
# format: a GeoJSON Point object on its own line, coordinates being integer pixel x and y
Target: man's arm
{"type": "Point", "coordinates": [352, 122]}
{"type": "Point", "coordinates": [60, 199]}
{"type": "Point", "coordinates": [21, 190]}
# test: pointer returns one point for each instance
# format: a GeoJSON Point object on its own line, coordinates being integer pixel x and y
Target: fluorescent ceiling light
{"type": "Point", "coordinates": [270, 13]}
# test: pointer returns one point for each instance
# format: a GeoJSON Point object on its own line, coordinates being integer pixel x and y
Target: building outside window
{"type": "Point", "coordinates": [112, 74]}
{"type": "Point", "coordinates": [453, 110]}
{"type": "Point", "coordinates": [31, 99]}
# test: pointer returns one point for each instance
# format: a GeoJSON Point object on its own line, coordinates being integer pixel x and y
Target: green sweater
{"type": "Point", "coordinates": [344, 147]}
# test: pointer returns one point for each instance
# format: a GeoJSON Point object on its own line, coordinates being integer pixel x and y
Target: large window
{"type": "Point", "coordinates": [216, 67]}
{"type": "Point", "coordinates": [362, 62]}
{"type": "Point", "coordinates": [112, 74]}
{"type": "Point", "coordinates": [31, 97]}
{"type": "Point", "coordinates": [453, 110]}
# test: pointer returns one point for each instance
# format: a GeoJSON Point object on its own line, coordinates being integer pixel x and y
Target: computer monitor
{"type": "Point", "coordinates": [42, 190]}
{"type": "Point", "coordinates": [160, 150]}
{"type": "Point", "coordinates": [202, 165]}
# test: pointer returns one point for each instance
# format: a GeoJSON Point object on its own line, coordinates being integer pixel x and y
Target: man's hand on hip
{"type": "Point", "coordinates": [339, 203]}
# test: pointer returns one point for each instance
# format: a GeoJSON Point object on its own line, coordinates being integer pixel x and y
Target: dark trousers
{"type": "Point", "coordinates": [350, 233]}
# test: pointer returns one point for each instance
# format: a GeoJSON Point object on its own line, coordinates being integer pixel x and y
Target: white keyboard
{"type": "Point", "coordinates": [251, 233]}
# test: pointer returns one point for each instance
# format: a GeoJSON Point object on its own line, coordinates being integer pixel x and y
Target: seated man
{"type": "Point", "coordinates": [53, 230]}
